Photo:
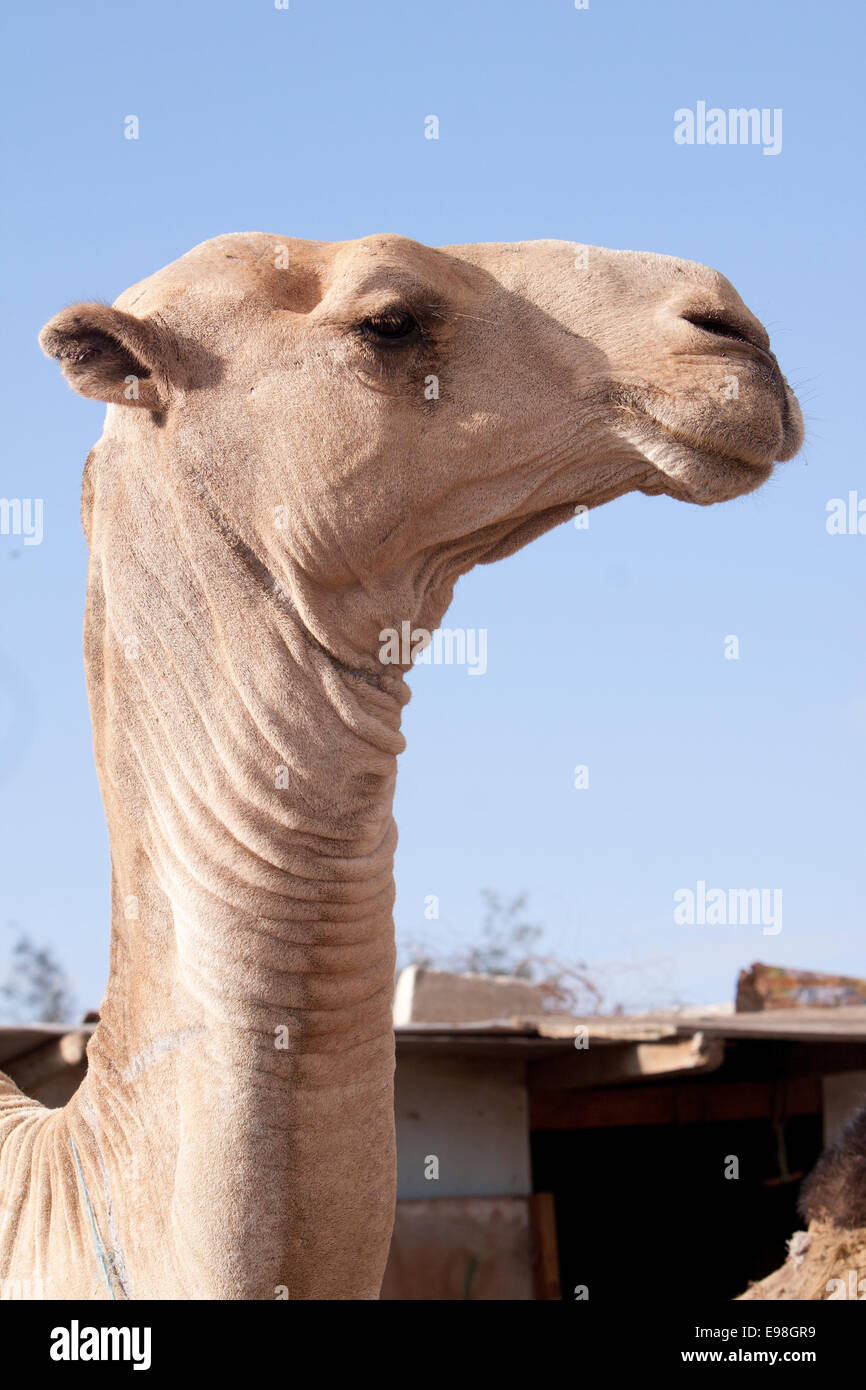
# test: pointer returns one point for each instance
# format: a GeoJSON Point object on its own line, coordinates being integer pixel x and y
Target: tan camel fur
{"type": "Point", "coordinates": [307, 444]}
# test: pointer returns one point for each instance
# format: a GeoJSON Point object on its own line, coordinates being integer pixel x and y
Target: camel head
{"type": "Point", "coordinates": [307, 444]}
{"type": "Point", "coordinates": [372, 418]}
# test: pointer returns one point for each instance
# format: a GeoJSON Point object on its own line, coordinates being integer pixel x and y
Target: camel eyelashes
{"type": "Point", "coordinates": [395, 325]}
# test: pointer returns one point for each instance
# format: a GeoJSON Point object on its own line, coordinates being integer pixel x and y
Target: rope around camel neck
{"type": "Point", "coordinates": [97, 1242]}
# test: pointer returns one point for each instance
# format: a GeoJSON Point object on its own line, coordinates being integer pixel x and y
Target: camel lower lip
{"type": "Point", "coordinates": [735, 461]}
{"type": "Point", "coordinates": [710, 477]}
{"type": "Point", "coordinates": [672, 452]}
{"type": "Point", "coordinates": [698, 474]}
{"type": "Point", "coordinates": [705, 453]}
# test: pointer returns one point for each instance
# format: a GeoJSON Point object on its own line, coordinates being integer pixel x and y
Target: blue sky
{"type": "Point", "coordinates": [605, 647]}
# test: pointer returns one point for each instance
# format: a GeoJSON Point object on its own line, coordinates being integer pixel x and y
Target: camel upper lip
{"type": "Point", "coordinates": [740, 348]}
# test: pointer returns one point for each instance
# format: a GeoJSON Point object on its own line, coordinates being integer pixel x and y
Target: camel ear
{"type": "Point", "coordinates": [109, 355]}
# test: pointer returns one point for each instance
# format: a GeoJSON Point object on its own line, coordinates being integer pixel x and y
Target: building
{"type": "Point", "coordinates": [543, 1156]}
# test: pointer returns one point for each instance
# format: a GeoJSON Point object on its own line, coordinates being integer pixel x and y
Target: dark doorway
{"type": "Point", "coordinates": [647, 1212]}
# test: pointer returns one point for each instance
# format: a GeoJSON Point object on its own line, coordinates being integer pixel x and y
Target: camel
{"type": "Point", "coordinates": [307, 444]}
{"type": "Point", "coordinates": [827, 1261]}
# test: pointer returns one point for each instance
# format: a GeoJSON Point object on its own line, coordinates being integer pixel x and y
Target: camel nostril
{"type": "Point", "coordinates": [722, 327]}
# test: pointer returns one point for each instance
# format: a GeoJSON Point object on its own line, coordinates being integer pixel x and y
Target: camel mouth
{"type": "Point", "coordinates": [695, 458]}
{"type": "Point", "coordinates": [692, 472]}
{"type": "Point", "coordinates": [703, 476]}
{"type": "Point", "coordinates": [702, 469]}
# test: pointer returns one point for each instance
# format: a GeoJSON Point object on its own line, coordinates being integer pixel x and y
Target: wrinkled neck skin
{"type": "Point", "coordinates": [241, 1075]}
{"type": "Point", "coordinates": [235, 1130]}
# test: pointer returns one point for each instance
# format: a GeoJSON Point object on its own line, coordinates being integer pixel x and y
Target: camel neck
{"type": "Point", "coordinates": [248, 798]}
{"type": "Point", "coordinates": [245, 1035]}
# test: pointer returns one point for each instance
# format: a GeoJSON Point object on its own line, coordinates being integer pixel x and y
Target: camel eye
{"type": "Point", "coordinates": [389, 326]}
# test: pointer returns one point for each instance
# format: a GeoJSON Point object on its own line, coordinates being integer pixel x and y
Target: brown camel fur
{"type": "Point", "coordinates": [827, 1261]}
{"type": "Point", "coordinates": [307, 444]}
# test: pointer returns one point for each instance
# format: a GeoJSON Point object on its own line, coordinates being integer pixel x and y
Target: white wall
{"type": "Point", "coordinates": [471, 1115]}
